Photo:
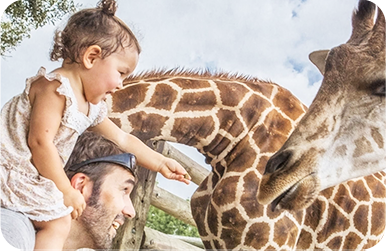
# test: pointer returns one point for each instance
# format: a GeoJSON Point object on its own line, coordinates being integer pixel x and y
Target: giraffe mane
{"type": "Point", "coordinates": [193, 73]}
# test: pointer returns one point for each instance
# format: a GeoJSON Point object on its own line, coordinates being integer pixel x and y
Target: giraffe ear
{"type": "Point", "coordinates": [318, 58]}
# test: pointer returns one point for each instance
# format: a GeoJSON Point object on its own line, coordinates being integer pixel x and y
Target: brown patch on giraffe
{"type": "Point", "coordinates": [163, 97]}
{"type": "Point", "coordinates": [357, 190]}
{"type": "Point", "coordinates": [190, 131]}
{"type": "Point", "coordinates": [321, 132]}
{"type": "Point", "coordinates": [187, 83]}
{"type": "Point", "coordinates": [241, 157]}
{"type": "Point", "coordinates": [363, 146]}
{"type": "Point", "coordinates": [220, 169]}
{"type": "Point", "coordinates": [337, 222]}
{"type": "Point", "coordinates": [204, 185]}
{"type": "Point", "coordinates": [215, 178]}
{"type": "Point", "coordinates": [377, 136]}
{"type": "Point", "coordinates": [207, 244]}
{"type": "Point", "coordinates": [379, 175]}
{"type": "Point", "coordinates": [341, 150]}
{"type": "Point", "coordinates": [377, 187]}
{"type": "Point", "coordinates": [116, 121]}
{"type": "Point", "coordinates": [248, 111]}
{"type": "Point", "coordinates": [327, 192]}
{"type": "Point", "coordinates": [315, 211]}
{"type": "Point", "coordinates": [360, 219]}
{"type": "Point", "coordinates": [217, 145]}
{"type": "Point", "coordinates": [201, 101]}
{"type": "Point", "coordinates": [288, 104]}
{"type": "Point", "coordinates": [370, 244]}
{"type": "Point", "coordinates": [231, 220]}
{"type": "Point", "coordinates": [212, 220]}
{"type": "Point", "coordinates": [277, 124]}
{"type": "Point", "coordinates": [342, 198]}
{"type": "Point", "coordinates": [248, 199]}
{"type": "Point", "coordinates": [129, 97]}
{"type": "Point", "coordinates": [285, 232]}
{"type": "Point", "coordinates": [270, 248]}
{"type": "Point", "coordinates": [146, 126]}
{"type": "Point", "coordinates": [268, 140]}
{"type": "Point", "coordinates": [232, 123]}
{"type": "Point", "coordinates": [225, 191]}
{"type": "Point", "coordinates": [265, 88]}
{"type": "Point", "coordinates": [335, 243]}
{"type": "Point", "coordinates": [257, 235]}
{"type": "Point", "coordinates": [352, 241]}
{"type": "Point", "coordinates": [304, 240]}
{"type": "Point", "coordinates": [378, 218]}
{"type": "Point", "coordinates": [199, 215]}
{"type": "Point", "coordinates": [216, 244]}
{"type": "Point", "coordinates": [262, 164]}
{"type": "Point", "coordinates": [231, 95]}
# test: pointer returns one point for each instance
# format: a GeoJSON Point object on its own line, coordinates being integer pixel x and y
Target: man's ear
{"type": "Point", "coordinates": [92, 53]}
{"type": "Point", "coordinates": [83, 184]}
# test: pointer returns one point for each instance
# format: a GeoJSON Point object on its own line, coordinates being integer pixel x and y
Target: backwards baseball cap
{"type": "Point", "coordinates": [126, 160]}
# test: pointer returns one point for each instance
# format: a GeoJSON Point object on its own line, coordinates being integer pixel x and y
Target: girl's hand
{"type": "Point", "coordinates": [171, 169]}
{"type": "Point", "coordinates": [74, 198]}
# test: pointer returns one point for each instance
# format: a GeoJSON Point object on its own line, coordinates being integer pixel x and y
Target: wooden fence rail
{"type": "Point", "coordinates": [133, 235]}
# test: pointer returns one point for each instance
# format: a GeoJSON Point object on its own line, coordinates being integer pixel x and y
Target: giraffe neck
{"type": "Point", "coordinates": [217, 115]}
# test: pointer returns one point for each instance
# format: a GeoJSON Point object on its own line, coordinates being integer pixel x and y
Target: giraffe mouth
{"type": "Point", "coordinates": [298, 196]}
{"type": "Point", "coordinates": [276, 203]}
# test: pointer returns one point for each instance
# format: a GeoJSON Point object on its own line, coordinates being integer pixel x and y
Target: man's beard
{"type": "Point", "coordinates": [97, 222]}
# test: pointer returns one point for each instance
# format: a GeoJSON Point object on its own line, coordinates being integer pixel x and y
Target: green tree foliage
{"type": "Point", "coordinates": [165, 223]}
{"type": "Point", "coordinates": [24, 15]}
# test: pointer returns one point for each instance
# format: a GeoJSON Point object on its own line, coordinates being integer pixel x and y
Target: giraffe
{"type": "Point", "coordinates": [343, 134]}
{"type": "Point", "coordinates": [238, 122]}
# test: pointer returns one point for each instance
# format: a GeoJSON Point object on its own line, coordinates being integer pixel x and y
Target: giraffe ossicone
{"type": "Point", "coordinates": [342, 136]}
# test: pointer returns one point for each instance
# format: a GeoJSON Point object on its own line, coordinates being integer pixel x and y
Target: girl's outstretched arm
{"type": "Point", "coordinates": [146, 157]}
{"type": "Point", "coordinates": [47, 110]}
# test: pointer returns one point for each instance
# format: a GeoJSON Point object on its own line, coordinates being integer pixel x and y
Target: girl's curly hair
{"type": "Point", "coordinates": [95, 26]}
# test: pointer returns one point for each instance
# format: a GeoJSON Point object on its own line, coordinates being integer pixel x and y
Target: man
{"type": "Point", "coordinates": [104, 175]}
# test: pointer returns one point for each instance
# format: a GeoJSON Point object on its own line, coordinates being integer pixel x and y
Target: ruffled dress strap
{"type": "Point", "coordinates": [72, 117]}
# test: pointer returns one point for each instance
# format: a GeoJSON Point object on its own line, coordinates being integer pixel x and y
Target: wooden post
{"type": "Point", "coordinates": [173, 205]}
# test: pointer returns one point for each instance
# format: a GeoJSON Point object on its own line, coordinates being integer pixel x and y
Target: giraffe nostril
{"type": "Point", "coordinates": [277, 161]}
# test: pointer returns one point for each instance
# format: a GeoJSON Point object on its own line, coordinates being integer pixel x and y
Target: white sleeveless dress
{"type": "Point", "coordinates": [23, 189]}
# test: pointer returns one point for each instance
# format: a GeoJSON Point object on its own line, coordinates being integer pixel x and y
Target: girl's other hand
{"type": "Point", "coordinates": [75, 199]}
{"type": "Point", "coordinates": [171, 169]}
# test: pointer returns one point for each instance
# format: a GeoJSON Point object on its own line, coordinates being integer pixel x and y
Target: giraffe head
{"type": "Point", "coordinates": [342, 136]}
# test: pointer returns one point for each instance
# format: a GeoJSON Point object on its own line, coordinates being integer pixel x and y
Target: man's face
{"type": "Point", "coordinates": [102, 219]}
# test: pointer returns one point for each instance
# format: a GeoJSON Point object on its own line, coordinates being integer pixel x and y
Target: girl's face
{"type": "Point", "coordinates": [106, 75]}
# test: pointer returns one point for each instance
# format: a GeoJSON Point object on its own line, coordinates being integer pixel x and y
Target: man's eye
{"type": "Point", "coordinates": [127, 189]}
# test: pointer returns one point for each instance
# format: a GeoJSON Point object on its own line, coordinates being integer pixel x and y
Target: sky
{"type": "Point", "coordinates": [268, 39]}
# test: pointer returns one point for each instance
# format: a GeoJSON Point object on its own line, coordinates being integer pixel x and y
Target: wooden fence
{"type": "Point", "coordinates": [133, 235]}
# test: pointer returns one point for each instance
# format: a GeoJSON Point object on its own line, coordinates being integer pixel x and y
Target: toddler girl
{"type": "Point", "coordinates": [40, 126]}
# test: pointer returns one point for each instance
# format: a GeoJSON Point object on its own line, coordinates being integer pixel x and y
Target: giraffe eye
{"type": "Point", "coordinates": [378, 87]}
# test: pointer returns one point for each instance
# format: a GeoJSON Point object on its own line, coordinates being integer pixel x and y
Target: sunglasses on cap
{"type": "Point", "coordinates": [126, 160]}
